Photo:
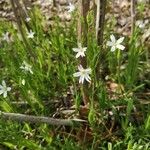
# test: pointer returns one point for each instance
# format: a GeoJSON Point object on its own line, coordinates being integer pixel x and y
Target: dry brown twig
{"type": "Point", "coordinates": [132, 16]}
{"type": "Point", "coordinates": [40, 119]}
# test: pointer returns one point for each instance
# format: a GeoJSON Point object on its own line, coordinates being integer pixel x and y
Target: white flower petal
{"type": "Point", "coordinates": [84, 49]}
{"type": "Point", "coordinates": [1, 92]}
{"type": "Point", "coordinates": [109, 43]}
{"type": "Point", "coordinates": [113, 48]}
{"type": "Point", "coordinates": [23, 82]}
{"type": "Point", "coordinates": [80, 68]}
{"type": "Point", "coordinates": [120, 40]}
{"type": "Point", "coordinates": [3, 83]}
{"type": "Point", "coordinates": [31, 71]}
{"type": "Point", "coordinates": [82, 54]}
{"type": "Point", "coordinates": [77, 74]}
{"type": "Point", "coordinates": [121, 47]}
{"type": "Point", "coordinates": [88, 70]}
{"type": "Point", "coordinates": [5, 94]}
{"type": "Point", "coordinates": [88, 78]}
{"type": "Point", "coordinates": [77, 55]}
{"type": "Point", "coordinates": [8, 88]}
{"type": "Point", "coordinates": [22, 67]}
{"type": "Point", "coordinates": [76, 49]}
{"type": "Point", "coordinates": [113, 39]}
{"type": "Point", "coordinates": [82, 79]}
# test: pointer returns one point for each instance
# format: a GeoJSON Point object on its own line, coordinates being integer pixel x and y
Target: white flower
{"type": "Point", "coordinates": [115, 44]}
{"type": "Point", "coordinates": [80, 51]}
{"type": "Point", "coordinates": [141, 23]}
{"type": "Point", "coordinates": [27, 19]}
{"type": "Point", "coordinates": [23, 82]}
{"type": "Point", "coordinates": [26, 67]}
{"type": "Point", "coordinates": [71, 7]}
{"type": "Point", "coordinates": [30, 35]}
{"type": "Point", "coordinates": [4, 89]}
{"type": "Point", "coordinates": [6, 37]}
{"type": "Point", "coordinates": [83, 74]}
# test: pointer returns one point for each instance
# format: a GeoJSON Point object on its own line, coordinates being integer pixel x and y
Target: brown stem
{"type": "Point", "coordinates": [27, 4]}
{"type": "Point", "coordinates": [132, 16]}
{"type": "Point", "coordinates": [102, 5]}
{"type": "Point", "coordinates": [95, 9]}
{"type": "Point", "coordinates": [83, 6]}
{"type": "Point", "coordinates": [39, 119]}
{"type": "Point", "coordinates": [100, 22]}
{"type": "Point", "coordinates": [15, 8]}
{"type": "Point", "coordinates": [17, 19]}
{"type": "Point", "coordinates": [21, 11]}
{"type": "Point", "coordinates": [54, 3]}
{"type": "Point", "coordinates": [97, 18]}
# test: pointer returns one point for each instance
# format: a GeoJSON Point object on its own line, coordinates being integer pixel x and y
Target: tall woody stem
{"type": "Point", "coordinates": [18, 20]}
{"type": "Point", "coordinates": [100, 22]}
{"type": "Point", "coordinates": [83, 8]}
{"type": "Point", "coordinates": [132, 16]}
{"type": "Point", "coordinates": [19, 15]}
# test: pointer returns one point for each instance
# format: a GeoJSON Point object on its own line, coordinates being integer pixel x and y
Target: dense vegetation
{"type": "Point", "coordinates": [107, 108]}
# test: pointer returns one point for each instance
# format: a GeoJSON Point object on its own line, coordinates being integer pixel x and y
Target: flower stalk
{"type": "Point", "coordinates": [132, 16]}
{"type": "Point", "coordinates": [100, 22]}
{"type": "Point", "coordinates": [83, 8]}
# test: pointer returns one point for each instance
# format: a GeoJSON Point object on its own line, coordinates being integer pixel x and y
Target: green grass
{"type": "Point", "coordinates": [53, 63]}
